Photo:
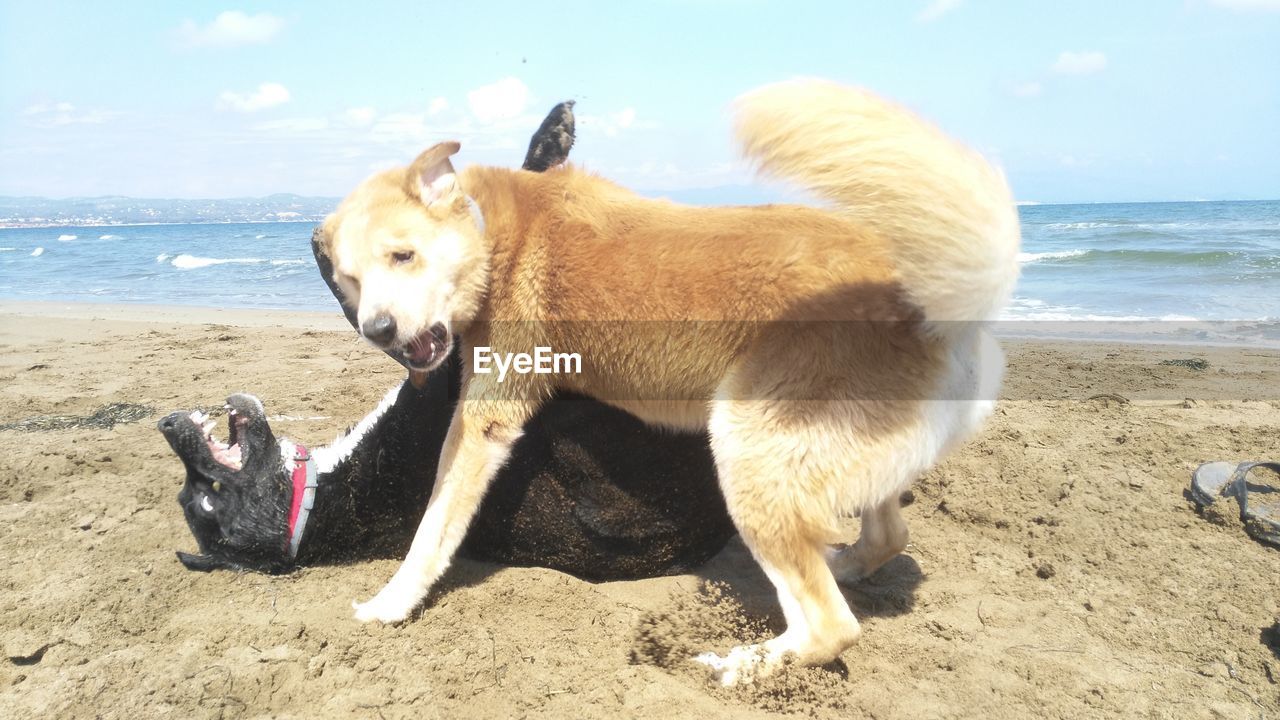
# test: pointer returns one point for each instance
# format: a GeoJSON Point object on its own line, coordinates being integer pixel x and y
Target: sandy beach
{"type": "Point", "coordinates": [1056, 568]}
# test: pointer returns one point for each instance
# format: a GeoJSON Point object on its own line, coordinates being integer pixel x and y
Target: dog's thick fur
{"type": "Point", "coordinates": [833, 355]}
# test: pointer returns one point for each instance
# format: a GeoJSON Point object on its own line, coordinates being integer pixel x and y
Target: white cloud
{"type": "Point", "coordinates": [229, 29]}
{"type": "Point", "coordinates": [64, 113]}
{"type": "Point", "coordinates": [359, 116]}
{"type": "Point", "coordinates": [612, 124]}
{"type": "Point", "coordinates": [294, 125]}
{"type": "Point", "coordinates": [1080, 63]}
{"type": "Point", "coordinates": [502, 100]}
{"type": "Point", "coordinates": [1027, 89]}
{"type": "Point", "coordinates": [400, 125]}
{"type": "Point", "coordinates": [1074, 161]}
{"type": "Point", "coordinates": [1248, 5]}
{"type": "Point", "coordinates": [438, 105]}
{"type": "Point", "coordinates": [267, 95]}
{"type": "Point", "coordinates": [936, 9]}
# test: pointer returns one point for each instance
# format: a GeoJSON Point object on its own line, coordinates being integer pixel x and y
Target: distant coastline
{"type": "Point", "coordinates": [119, 211]}
{"type": "Point", "coordinates": [8, 225]}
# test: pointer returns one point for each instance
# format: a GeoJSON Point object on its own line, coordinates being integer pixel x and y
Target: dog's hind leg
{"type": "Point", "coordinates": [776, 482]}
{"type": "Point", "coordinates": [883, 536]}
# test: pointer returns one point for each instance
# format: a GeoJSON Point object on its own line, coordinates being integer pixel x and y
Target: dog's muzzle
{"type": "Point", "coordinates": [430, 348]}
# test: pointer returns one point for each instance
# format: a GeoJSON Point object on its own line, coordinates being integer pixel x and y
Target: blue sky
{"type": "Point", "coordinates": [1080, 101]}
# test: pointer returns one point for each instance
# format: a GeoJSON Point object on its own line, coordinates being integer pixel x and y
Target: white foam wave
{"type": "Point", "coordinates": [66, 238]}
{"type": "Point", "coordinates": [37, 252]}
{"type": "Point", "coordinates": [1064, 315]}
{"type": "Point", "coordinates": [1075, 324]}
{"type": "Point", "coordinates": [288, 262]}
{"type": "Point", "coordinates": [192, 262]}
{"type": "Point", "coordinates": [1031, 309]}
{"type": "Point", "coordinates": [1026, 257]}
{"type": "Point", "coordinates": [110, 237]}
{"type": "Point", "coordinates": [162, 257]}
{"type": "Point", "coordinates": [1243, 226]}
{"type": "Point", "coordinates": [7, 249]}
{"type": "Point", "coordinates": [258, 237]}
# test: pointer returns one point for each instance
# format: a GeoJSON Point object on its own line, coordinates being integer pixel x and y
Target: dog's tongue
{"type": "Point", "coordinates": [424, 348]}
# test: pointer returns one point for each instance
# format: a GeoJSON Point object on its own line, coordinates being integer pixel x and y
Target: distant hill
{"type": "Point", "coordinates": [117, 210]}
{"type": "Point", "coordinates": [281, 207]}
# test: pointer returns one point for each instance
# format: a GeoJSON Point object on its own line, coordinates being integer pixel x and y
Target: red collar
{"type": "Point", "coordinates": [304, 497]}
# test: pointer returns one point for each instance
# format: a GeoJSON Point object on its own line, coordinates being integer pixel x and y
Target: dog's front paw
{"type": "Point", "coordinates": [392, 605]}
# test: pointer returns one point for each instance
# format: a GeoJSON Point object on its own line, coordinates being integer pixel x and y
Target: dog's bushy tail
{"type": "Point", "coordinates": [947, 214]}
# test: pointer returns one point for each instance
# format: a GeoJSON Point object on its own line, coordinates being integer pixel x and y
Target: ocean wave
{"type": "Point", "coordinates": [192, 262]}
{"type": "Point", "coordinates": [1022, 308]}
{"type": "Point", "coordinates": [258, 237]}
{"type": "Point", "coordinates": [66, 238]}
{"type": "Point", "coordinates": [1236, 225]}
{"type": "Point", "coordinates": [1026, 257]}
{"type": "Point", "coordinates": [1079, 315]}
{"type": "Point", "coordinates": [37, 252]}
{"type": "Point", "coordinates": [1155, 258]}
{"type": "Point", "coordinates": [7, 249]}
{"type": "Point", "coordinates": [1060, 324]}
{"type": "Point", "coordinates": [1077, 225]}
{"type": "Point", "coordinates": [289, 262]}
{"type": "Point", "coordinates": [110, 237]}
{"type": "Point", "coordinates": [162, 257]}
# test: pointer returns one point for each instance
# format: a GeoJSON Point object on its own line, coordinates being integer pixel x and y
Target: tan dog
{"type": "Point", "coordinates": [833, 355]}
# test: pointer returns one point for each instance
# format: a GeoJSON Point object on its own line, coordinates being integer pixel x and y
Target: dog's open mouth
{"type": "Point", "coordinates": [228, 453]}
{"type": "Point", "coordinates": [192, 436]}
{"type": "Point", "coordinates": [429, 348]}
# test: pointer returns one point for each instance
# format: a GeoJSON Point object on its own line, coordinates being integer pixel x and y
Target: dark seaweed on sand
{"type": "Point", "coordinates": [104, 418]}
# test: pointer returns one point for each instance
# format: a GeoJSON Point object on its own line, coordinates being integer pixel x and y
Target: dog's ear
{"type": "Point", "coordinates": [320, 251]}
{"type": "Point", "coordinates": [202, 563]}
{"type": "Point", "coordinates": [431, 178]}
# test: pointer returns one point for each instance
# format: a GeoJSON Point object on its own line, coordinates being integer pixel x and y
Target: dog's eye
{"type": "Point", "coordinates": [401, 257]}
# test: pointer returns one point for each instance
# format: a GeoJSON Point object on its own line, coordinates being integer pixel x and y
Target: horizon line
{"type": "Point", "coordinates": [650, 192]}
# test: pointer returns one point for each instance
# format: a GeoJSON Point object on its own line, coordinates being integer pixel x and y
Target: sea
{"type": "Point", "coordinates": [1200, 272]}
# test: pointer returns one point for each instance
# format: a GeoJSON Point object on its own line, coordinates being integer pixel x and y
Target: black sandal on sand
{"type": "Point", "coordinates": [1213, 480]}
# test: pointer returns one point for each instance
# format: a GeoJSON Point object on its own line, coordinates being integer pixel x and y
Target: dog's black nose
{"type": "Point", "coordinates": [380, 328]}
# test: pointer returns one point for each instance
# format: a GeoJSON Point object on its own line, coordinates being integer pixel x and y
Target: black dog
{"type": "Point", "coordinates": [588, 490]}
